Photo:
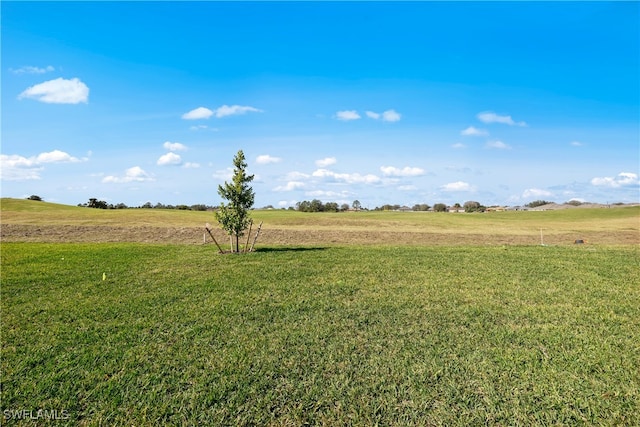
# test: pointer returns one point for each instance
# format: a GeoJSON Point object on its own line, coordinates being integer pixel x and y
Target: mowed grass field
{"type": "Point", "coordinates": [320, 334]}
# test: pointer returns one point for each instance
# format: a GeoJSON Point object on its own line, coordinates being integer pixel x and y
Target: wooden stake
{"type": "Point", "coordinates": [256, 237]}
{"type": "Point", "coordinates": [214, 239]}
{"type": "Point", "coordinates": [246, 245]}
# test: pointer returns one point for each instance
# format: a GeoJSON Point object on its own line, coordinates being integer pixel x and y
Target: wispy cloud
{"type": "Point", "coordinates": [133, 174]}
{"type": "Point", "coordinates": [14, 167]}
{"type": "Point", "coordinates": [223, 111]}
{"type": "Point", "coordinates": [497, 145]}
{"type": "Point", "coordinates": [347, 115]}
{"type": "Point", "coordinates": [407, 188]}
{"type": "Point", "coordinates": [18, 168]}
{"type": "Point", "coordinates": [349, 178]}
{"type": "Point", "coordinates": [235, 110]}
{"type": "Point", "coordinates": [198, 113]}
{"type": "Point", "coordinates": [265, 159]}
{"type": "Point", "coordinates": [202, 128]}
{"type": "Point", "coordinates": [327, 194]}
{"type": "Point", "coordinates": [174, 146]}
{"type": "Point", "coordinates": [536, 193]}
{"type": "Point", "coordinates": [29, 69]}
{"type": "Point", "coordinates": [491, 117]}
{"type": "Point", "coordinates": [290, 186]}
{"type": "Point", "coordinates": [406, 171]}
{"type": "Point", "coordinates": [223, 174]}
{"type": "Point", "coordinates": [473, 131]}
{"type": "Point", "coordinates": [169, 159]}
{"type": "Point", "coordinates": [457, 186]}
{"type": "Point", "coordinates": [391, 116]}
{"type": "Point", "coordinates": [58, 91]}
{"type": "Point", "coordinates": [386, 116]}
{"type": "Point", "coordinates": [296, 176]}
{"type": "Point", "coordinates": [576, 144]}
{"type": "Point", "coordinates": [623, 179]}
{"type": "Point", "coordinates": [327, 161]}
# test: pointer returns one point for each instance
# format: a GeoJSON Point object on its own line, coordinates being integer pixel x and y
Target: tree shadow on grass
{"type": "Point", "coordinates": [291, 249]}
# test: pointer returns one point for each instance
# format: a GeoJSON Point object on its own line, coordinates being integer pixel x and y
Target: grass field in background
{"type": "Point", "coordinates": [334, 335]}
{"type": "Point", "coordinates": [574, 222]}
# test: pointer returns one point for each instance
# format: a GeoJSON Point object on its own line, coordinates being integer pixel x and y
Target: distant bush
{"type": "Point", "coordinates": [537, 203]}
{"type": "Point", "coordinates": [34, 197]}
{"type": "Point", "coordinates": [316, 205]}
{"type": "Point", "coordinates": [439, 207]}
{"type": "Point", "coordinates": [421, 207]}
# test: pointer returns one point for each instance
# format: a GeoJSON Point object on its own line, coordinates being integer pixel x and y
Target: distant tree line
{"type": "Point", "coordinates": [101, 204]}
{"type": "Point", "coordinates": [316, 205]}
{"type": "Point", "coordinates": [537, 203]}
{"type": "Point", "coordinates": [470, 206]}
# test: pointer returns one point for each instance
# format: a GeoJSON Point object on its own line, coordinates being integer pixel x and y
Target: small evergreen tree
{"type": "Point", "coordinates": [234, 215]}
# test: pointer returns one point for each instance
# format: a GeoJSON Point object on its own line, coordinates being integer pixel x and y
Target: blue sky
{"type": "Point", "coordinates": [400, 103]}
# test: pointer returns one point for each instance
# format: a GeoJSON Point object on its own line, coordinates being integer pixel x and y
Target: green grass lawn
{"type": "Point", "coordinates": [443, 336]}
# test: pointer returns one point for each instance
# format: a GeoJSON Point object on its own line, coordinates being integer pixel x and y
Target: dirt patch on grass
{"type": "Point", "coordinates": [293, 237]}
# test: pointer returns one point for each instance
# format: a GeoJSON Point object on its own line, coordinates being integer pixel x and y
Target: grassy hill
{"type": "Point", "coordinates": [620, 225]}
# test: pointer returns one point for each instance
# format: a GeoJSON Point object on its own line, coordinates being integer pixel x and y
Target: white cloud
{"type": "Point", "coordinates": [174, 146]}
{"type": "Point", "coordinates": [406, 171]}
{"type": "Point", "coordinates": [19, 168]}
{"type": "Point", "coordinates": [327, 194]}
{"type": "Point", "coordinates": [169, 159]}
{"type": "Point", "coordinates": [407, 188]}
{"type": "Point", "coordinates": [391, 116]}
{"type": "Point", "coordinates": [29, 69]}
{"type": "Point", "coordinates": [234, 110]}
{"type": "Point", "coordinates": [223, 111]}
{"type": "Point", "coordinates": [265, 159]}
{"type": "Point", "coordinates": [56, 156]}
{"type": "Point", "coordinates": [327, 161]}
{"type": "Point", "coordinates": [347, 115]}
{"type": "Point", "coordinates": [224, 174]}
{"type": "Point", "coordinates": [536, 193]}
{"type": "Point", "coordinates": [134, 174]}
{"type": "Point", "coordinates": [472, 131]}
{"type": "Point", "coordinates": [458, 145]}
{"type": "Point", "coordinates": [58, 91]}
{"type": "Point", "coordinates": [198, 113]}
{"type": "Point", "coordinates": [491, 117]}
{"type": "Point", "coordinates": [386, 116]}
{"type": "Point", "coordinates": [191, 165]}
{"type": "Point", "coordinates": [576, 144]}
{"type": "Point", "coordinates": [623, 179]}
{"type": "Point", "coordinates": [498, 145]}
{"type": "Point", "coordinates": [457, 186]}
{"type": "Point", "coordinates": [290, 186]}
{"type": "Point", "coordinates": [350, 178]}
